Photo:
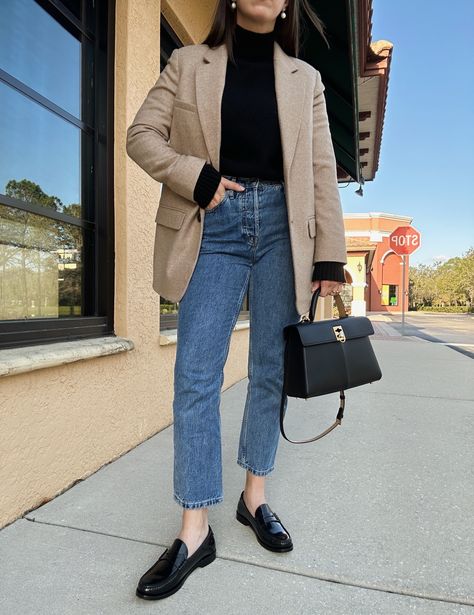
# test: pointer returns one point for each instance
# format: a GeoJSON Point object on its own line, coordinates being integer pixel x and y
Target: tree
{"type": "Point", "coordinates": [449, 283]}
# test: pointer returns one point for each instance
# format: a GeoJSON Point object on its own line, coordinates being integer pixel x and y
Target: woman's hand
{"type": "Point", "coordinates": [328, 287]}
{"type": "Point", "coordinates": [225, 184]}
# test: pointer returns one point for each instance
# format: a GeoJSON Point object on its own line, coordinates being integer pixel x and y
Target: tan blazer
{"type": "Point", "coordinates": [178, 128]}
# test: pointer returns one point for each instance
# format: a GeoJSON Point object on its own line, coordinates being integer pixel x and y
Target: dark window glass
{"type": "Point", "coordinates": [393, 294]}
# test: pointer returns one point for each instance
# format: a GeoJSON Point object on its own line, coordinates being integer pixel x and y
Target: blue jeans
{"type": "Point", "coordinates": [245, 246]}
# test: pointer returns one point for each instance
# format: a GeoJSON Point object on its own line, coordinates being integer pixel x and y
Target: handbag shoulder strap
{"type": "Point", "coordinates": [337, 422]}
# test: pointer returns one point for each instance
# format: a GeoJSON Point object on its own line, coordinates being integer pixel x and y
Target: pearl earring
{"type": "Point", "coordinates": [232, 6]}
{"type": "Point", "coordinates": [283, 14]}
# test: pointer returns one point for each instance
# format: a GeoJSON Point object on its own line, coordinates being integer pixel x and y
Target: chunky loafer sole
{"type": "Point", "coordinates": [264, 517]}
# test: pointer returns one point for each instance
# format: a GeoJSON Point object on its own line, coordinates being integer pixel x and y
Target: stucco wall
{"type": "Point", "coordinates": [60, 424]}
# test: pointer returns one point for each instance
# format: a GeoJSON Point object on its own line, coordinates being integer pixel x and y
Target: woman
{"type": "Point", "coordinates": [236, 128]}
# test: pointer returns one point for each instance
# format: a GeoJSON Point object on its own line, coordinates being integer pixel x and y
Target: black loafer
{"type": "Point", "coordinates": [173, 567]}
{"type": "Point", "coordinates": [267, 526]}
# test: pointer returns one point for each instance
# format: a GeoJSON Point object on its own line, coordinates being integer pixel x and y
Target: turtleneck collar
{"type": "Point", "coordinates": [250, 45]}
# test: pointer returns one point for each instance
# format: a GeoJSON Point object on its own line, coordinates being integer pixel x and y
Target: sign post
{"type": "Point", "coordinates": [404, 240]}
{"type": "Point", "coordinates": [403, 292]}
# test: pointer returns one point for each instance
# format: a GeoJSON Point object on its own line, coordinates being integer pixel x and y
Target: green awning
{"type": "Point", "coordinates": [339, 71]}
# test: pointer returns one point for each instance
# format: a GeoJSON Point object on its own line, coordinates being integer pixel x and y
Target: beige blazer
{"type": "Point", "coordinates": [177, 130]}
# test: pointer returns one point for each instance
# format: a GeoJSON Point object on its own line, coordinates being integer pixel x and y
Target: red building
{"type": "Point", "coordinates": [375, 268]}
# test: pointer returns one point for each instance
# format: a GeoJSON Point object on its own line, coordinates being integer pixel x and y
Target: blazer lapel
{"type": "Point", "coordinates": [290, 84]}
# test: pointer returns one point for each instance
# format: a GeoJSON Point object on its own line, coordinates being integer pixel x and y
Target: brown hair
{"type": "Point", "coordinates": [287, 31]}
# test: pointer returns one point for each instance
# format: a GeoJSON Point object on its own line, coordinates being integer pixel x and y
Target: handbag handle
{"type": "Point", "coordinates": [312, 311]}
{"type": "Point", "coordinates": [314, 302]}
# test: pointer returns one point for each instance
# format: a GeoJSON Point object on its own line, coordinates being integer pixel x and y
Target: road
{"type": "Point", "coordinates": [455, 330]}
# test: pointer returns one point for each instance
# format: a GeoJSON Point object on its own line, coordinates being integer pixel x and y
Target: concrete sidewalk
{"type": "Point", "coordinates": [380, 511]}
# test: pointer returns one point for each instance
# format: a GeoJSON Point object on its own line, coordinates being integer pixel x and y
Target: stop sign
{"type": "Point", "coordinates": [405, 240]}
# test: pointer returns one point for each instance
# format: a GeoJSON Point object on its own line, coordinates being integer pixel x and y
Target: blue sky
{"type": "Point", "coordinates": [427, 160]}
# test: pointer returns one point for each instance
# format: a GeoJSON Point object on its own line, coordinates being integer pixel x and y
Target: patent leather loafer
{"type": "Point", "coordinates": [171, 570]}
{"type": "Point", "coordinates": [267, 526]}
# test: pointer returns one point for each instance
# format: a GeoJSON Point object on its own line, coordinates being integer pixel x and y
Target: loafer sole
{"type": "Point", "coordinates": [204, 561]}
{"type": "Point", "coordinates": [245, 521]}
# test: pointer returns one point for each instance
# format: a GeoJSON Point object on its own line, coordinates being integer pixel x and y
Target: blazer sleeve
{"type": "Point", "coordinates": [148, 136]}
{"type": "Point", "coordinates": [329, 243]}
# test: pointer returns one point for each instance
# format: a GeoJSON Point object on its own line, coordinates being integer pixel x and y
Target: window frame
{"type": "Point", "coordinates": [98, 215]}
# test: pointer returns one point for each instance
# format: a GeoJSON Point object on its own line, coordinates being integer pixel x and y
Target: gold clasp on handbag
{"type": "Point", "coordinates": [339, 333]}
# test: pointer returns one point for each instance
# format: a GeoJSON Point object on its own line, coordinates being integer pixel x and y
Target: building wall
{"type": "Point", "coordinates": [374, 229]}
{"type": "Point", "coordinates": [387, 269]}
{"type": "Point", "coordinates": [60, 424]}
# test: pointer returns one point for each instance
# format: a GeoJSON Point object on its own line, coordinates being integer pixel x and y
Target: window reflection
{"type": "Point", "coordinates": [40, 147]}
{"type": "Point", "coordinates": [38, 51]}
{"type": "Point", "coordinates": [40, 266]}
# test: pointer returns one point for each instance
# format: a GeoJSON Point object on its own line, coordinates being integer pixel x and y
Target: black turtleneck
{"type": "Point", "coordinates": [250, 132]}
{"type": "Point", "coordinates": [250, 145]}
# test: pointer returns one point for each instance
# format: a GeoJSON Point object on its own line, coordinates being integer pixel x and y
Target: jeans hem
{"type": "Point", "coordinates": [248, 467]}
{"type": "Point", "coordinates": [198, 504]}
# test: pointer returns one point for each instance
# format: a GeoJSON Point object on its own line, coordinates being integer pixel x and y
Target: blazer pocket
{"type": "Point", "coordinates": [312, 226]}
{"type": "Point", "coordinates": [182, 104]}
{"type": "Point", "coordinates": [172, 218]}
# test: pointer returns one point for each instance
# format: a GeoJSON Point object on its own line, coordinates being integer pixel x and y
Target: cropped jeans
{"type": "Point", "coordinates": [245, 247]}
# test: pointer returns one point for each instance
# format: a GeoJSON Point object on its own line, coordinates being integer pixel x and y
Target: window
{"type": "Point", "coordinates": [389, 294]}
{"type": "Point", "coordinates": [56, 183]}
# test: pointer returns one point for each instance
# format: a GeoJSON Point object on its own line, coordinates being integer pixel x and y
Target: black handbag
{"type": "Point", "coordinates": [326, 356]}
